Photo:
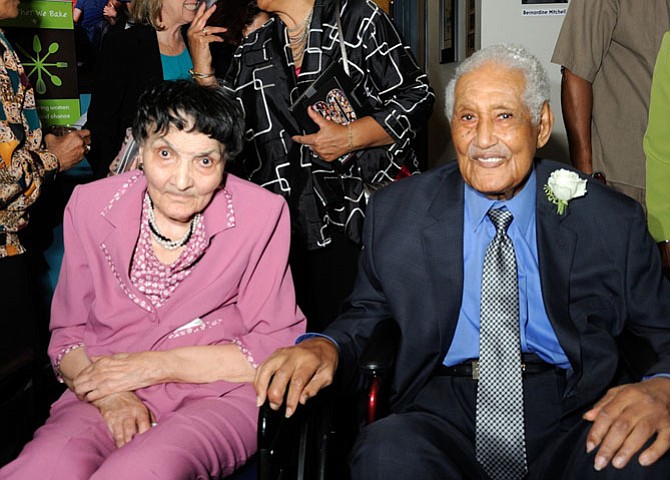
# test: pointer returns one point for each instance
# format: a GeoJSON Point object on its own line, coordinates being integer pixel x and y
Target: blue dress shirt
{"type": "Point", "coordinates": [537, 334]}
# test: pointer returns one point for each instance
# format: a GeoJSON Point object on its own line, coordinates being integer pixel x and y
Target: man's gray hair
{"type": "Point", "coordinates": [514, 57]}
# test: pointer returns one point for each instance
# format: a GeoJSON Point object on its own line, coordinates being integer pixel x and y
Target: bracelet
{"type": "Point", "coordinates": [195, 74]}
{"type": "Point", "coordinates": [350, 133]}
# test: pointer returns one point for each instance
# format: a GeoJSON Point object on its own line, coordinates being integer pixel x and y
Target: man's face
{"type": "Point", "coordinates": [492, 130]}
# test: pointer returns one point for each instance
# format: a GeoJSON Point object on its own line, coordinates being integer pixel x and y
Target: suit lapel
{"type": "Point", "coordinates": [442, 241]}
{"type": "Point", "coordinates": [556, 250]}
{"type": "Point", "coordinates": [120, 229]}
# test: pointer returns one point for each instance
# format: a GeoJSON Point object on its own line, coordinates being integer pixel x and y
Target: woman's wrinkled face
{"type": "Point", "coordinates": [183, 170]}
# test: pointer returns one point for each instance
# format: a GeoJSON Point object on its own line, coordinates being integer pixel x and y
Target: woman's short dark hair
{"type": "Point", "coordinates": [185, 105]}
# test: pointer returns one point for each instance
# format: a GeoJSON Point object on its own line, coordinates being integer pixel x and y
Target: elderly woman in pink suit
{"type": "Point", "coordinates": [174, 287]}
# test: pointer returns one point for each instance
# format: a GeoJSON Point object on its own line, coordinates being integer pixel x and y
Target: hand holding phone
{"type": "Point", "coordinates": [208, 3]}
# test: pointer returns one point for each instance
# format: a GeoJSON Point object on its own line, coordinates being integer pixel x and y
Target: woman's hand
{"type": "Point", "coordinates": [122, 372]}
{"type": "Point", "coordinates": [199, 37]}
{"type": "Point", "coordinates": [128, 372]}
{"type": "Point", "coordinates": [334, 140]}
{"type": "Point", "coordinates": [69, 149]}
{"type": "Point", "coordinates": [125, 415]}
{"type": "Point", "coordinates": [330, 142]}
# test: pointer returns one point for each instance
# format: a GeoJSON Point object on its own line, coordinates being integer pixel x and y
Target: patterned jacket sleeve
{"type": "Point", "coordinates": [24, 161]}
{"type": "Point", "coordinates": [393, 78]}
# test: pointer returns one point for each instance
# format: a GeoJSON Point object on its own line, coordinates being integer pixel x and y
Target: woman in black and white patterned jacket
{"type": "Point", "coordinates": [274, 65]}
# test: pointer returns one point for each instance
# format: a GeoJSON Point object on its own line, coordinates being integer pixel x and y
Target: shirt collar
{"type": "Point", "coordinates": [522, 205]}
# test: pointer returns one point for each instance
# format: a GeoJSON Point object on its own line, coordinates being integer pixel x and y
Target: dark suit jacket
{"type": "Point", "coordinates": [129, 61]}
{"type": "Point", "coordinates": [599, 269]}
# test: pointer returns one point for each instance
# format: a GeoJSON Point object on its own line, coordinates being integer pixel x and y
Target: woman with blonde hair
{"type": "Point", "coordinates": [153, 49]}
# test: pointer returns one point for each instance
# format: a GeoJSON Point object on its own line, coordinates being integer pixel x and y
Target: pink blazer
{"type": "Point", "coordinates": [241, 291]}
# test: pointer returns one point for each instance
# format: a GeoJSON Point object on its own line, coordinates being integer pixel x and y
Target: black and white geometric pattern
{"type": "Point", "coordinates": [262, 75]}
{"type": "Point", "coordinates": [499, 440]}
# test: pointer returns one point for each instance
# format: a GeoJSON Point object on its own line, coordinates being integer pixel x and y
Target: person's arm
{"type": "Point", "coordinates": [76, 15]}
{"type": "Point", "coordinates": [265, 303]}
{"type": "Point", "coordinates": [581, 48]}
{"type": "Point", "coordinates": [303, 370]}
{"type": "Point", "coordinates": [657, 151]}
{"type": "Point", "coordinates": [127, 372]}
{"type": "Point", "coordinates": [25, 167]}
{"type": "Point", "coordinates": [27, 163]}
{"type": "Point", "coordinates": [72, 298]}
{"type": "Point", "coordinates": [200, 35]}
{"type": "Point", "coordinates": [124, 413]}
{"type": "Point", "coordinates": [309, 366]}
{"type": "Point", "coordinates": [403, 102]}
{"type": "Point", "coordinates": [71, 365]}
{"type": "Point", "coordinates": [334, 140]}
{"type": "Point", "coordinates": [69, 149]}
{"type": "Point", "coordinates": [577, 104]}
{"type": "Point", "coordinates": [630, 415]}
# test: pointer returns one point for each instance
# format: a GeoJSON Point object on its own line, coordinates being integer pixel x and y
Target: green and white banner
{"type": "Point", "coordinates": [43, 36]}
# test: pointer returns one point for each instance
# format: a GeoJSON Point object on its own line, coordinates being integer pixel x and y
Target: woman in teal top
{"type": "Point", "coordinates": [657, 150]}
{"type": "Point", "coordinates": [177, 67]}
{"type": "Point", "coordinates": [130, 60]}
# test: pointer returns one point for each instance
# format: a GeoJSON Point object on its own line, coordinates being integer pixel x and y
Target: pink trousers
{"type": "Point", "coordinates": [206, 438]}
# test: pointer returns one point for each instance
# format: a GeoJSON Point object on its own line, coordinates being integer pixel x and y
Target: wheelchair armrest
{"type": "Point", "coordinates": [296, 447]}
{"type": "Point", "coordinates": [376, 363]}
{"type": "Point", "coordinates": [379, 355]}
{"type": "Point", "coordinates": [308, 446]}
{"type": "Point", "coordinates": [274, 435]}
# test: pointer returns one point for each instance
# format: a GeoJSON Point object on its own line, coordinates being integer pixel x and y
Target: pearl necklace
{"type": "Point", "coordinates": [164, 241]}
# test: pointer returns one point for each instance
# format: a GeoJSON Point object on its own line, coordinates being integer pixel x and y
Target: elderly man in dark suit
{"type": "Point", "coordinates": [511, 279]}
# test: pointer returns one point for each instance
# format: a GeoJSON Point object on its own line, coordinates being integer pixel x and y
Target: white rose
{"type": "Point", "coordinates": [566, 185]}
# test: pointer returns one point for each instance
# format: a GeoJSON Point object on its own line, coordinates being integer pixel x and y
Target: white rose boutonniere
{"type": "Point", "coordinates": [562, 186]}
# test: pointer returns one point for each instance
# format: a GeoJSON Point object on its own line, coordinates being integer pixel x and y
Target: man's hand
{"type": "Point", "coordinates": [626, 418]}
{"type": "Point", "coordinates": [117, 373]}
{"type": "Point", "coordinates": [305, 368]}
{"type": "Point", "coordinates": [330, 142]}
{"type": "Point", "coordinates": [125, 415]}
{"type": "Point", "coordinates": [69, 149]}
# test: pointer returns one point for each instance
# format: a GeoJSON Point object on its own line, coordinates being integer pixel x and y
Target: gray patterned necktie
{"type": "Point", "coordinates": [499, 426]}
